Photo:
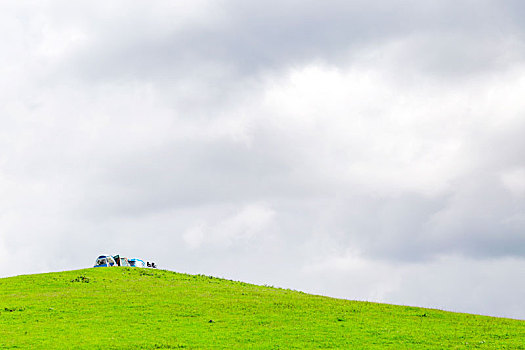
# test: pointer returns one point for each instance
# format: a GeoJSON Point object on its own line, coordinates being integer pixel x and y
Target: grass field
{"type": "Point", "coordinates": [132, 308]}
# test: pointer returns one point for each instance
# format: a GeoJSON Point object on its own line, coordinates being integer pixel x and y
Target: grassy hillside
{"type": "Point", "coordinates": [126, 308]}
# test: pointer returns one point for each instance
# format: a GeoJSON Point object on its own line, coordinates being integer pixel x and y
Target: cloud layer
{"type": "Point", "coordinates": [356, 149]}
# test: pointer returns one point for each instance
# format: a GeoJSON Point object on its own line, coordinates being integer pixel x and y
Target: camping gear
{"type": "Point", "coordinates": [105, 261]}
{"type": "Point", "coordinates": [136, 263]}
{"type": "Point", "coordinates": [122, 262]}
{"type": "Point", "coordinates": [117, 260]}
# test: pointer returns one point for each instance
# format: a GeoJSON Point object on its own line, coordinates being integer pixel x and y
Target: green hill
{"type": "Point", "coordinates": [132, 308]}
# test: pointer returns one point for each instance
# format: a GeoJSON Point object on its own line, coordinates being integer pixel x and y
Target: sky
{"type": "Point", "coordinates": [367, 150]}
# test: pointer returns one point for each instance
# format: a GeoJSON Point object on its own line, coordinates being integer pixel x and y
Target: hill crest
{"type": "Point", "coordinates": [123, 307]}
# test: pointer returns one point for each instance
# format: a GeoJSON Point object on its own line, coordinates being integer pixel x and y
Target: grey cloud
{"type": "Point", "coordinates": [185, 173]}
{"type": "Point", "coordinates": [343, 148]}
{"type": "Point", "coordinates": [247, 38]}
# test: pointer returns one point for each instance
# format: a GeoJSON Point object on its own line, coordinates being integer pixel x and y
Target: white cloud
{"type": "Point", "coordinates": [514, 181]}
{"type": "Point", "coordinates": [369, 130]}
{"type": "Point", "coordinates": [245, 224]}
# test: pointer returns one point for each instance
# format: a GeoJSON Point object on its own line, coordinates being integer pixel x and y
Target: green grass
{"type": "Point", "coordinates": [127, 308]}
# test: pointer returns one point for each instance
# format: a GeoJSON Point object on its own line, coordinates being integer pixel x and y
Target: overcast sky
{"type": "Point", "coordinates": [369, 150]}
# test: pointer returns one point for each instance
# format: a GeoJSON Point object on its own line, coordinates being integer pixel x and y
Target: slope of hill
{"type": "Point", "coordinates": [127, 308]}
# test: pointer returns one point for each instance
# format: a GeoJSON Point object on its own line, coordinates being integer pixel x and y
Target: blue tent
{"type": "Point", "coordinates": [136, 263]}
{"type": "Point", "coordinates": [105, 261]}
